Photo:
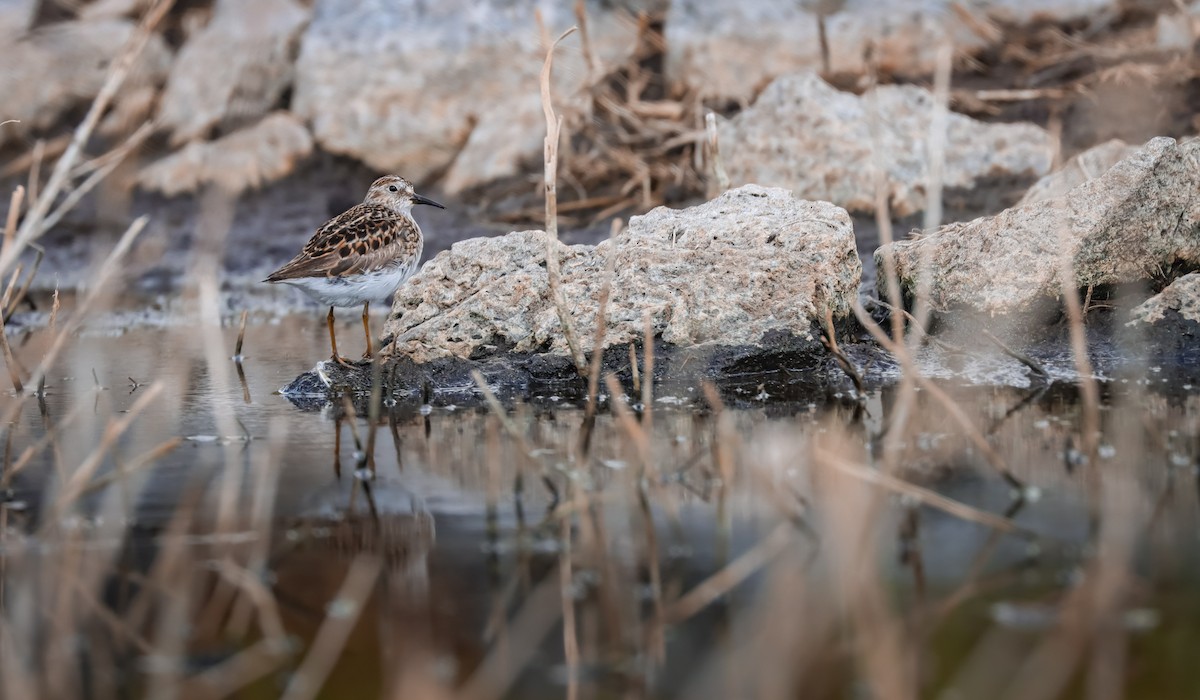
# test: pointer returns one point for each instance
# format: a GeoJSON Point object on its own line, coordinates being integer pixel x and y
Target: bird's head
{"type": "Point", "coordinates": [396, 193]}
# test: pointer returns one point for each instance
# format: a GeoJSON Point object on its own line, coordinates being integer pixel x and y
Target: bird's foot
{"type": "Point", "coordinates": [343, 361]}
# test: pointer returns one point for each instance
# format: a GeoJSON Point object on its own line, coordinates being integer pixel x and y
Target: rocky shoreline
{"type": "Point", "coordinates": [747, 283]}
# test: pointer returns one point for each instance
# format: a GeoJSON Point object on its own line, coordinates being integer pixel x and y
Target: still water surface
{"type": "Point", "coordinates": [467, 586]}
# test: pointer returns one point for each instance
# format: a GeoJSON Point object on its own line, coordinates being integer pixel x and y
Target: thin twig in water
{"type": "Point", "coordinates": [553, 127]}
{"type": "Point", "coordinates": [725, 580]}
{"type": "Point", "coordinates": [237, 348]}
{"type": "Point", "coordinates": [830, 341]}
{"type": "Point", "coordinates": [956, 412]}
{"type": "Point", "coordinates": [924, 495]}
{"type": "Point", "coordinates": [1021, 357]}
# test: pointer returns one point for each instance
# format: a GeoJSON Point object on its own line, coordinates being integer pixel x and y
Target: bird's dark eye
{"type": "Point", "coordinates": [393, 188]}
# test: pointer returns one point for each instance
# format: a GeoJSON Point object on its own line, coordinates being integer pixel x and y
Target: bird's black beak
{"type": "Point", "coordinates": [418, 199]}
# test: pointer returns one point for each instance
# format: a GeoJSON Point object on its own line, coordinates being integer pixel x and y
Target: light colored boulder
{"type": "Point", "coordinates": [49, 71]}
{"type": "Point", "coordinates": [1181, 296]}
{"type": "Point", "coordinates": [822, 143]}
{"type": "Point", "coordinates": [1089, 164]}
{"type": "Point", "coordinates": [15, 16]}
{"type": "Point", "coordinates": [1139, 218]}
{"type": "Point", "coordinates": [234, 70]}
{"type": "Point", "coordinates": [245, 159]}
{"type": "Point", "coordinates": [753, 262]}
{"type": "Point", "coordinates": [731, 48]}
{"type": "Point", "coordinates": [449, 87]}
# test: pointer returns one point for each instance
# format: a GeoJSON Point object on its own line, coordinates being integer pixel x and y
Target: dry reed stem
{"type": "Point", "coordinates": [33, 225]}
{"type": "Point", "coordinates": [140, 462]}
{"type": "Point", "coordinates": [107, 269]}
{"type": "Point", "coordinates": [928, 497]}
{"type": "Point", "coordinates": [10, 361]}
{"type": "Point", "coordinates": [1088, 389]}
{"type": "Point", "coordinates": [327, 646]}
{"type": "Point", "coordinates": [241, 338]}
{"type": "Point", "coordinates": [852, 516]}
{"type": "Point", "coordinates": [78, 480]}
{"type": "Point", "coordinates": [635, 375]}
{"type": "Point", "coordinates": [1021, 357]}
{"type": "Point", "coordinates": [553, 128]}
{"type": "Point", "coordinates": [585, 42]}
{"type": "Point", "coordinates": [936, 176]}
{"type": "Point", "coordinates": [634, 430]}
{"type": "Point", "coordinates": [610, 268]}
{"type": "Point", "coordinates": [956, 412]}
{"type": "Point", "coordinates": [498, 411]}
{"type": "Point", "coordinates": [10, 222]}
{"type": "Point", "coordinates": [35, 170]}
{"type": "Point", "coordinates": [115, 158]}
{"type": "Point", "coordinates": [647, 371]}
{"type": "Point", "coordinates": [570, 635]}
{"type": "Point", "coordinates": [16, 298]}
{"type": "Point", "coordinates": [265, 488]}
{"type": "Point", "coordinates": [831, 344]}
{"type": "Point", "coordinates": [720, 176]}
{"type": "Point", "coordinates": [506, 658]}
{"type": "Point", "coordinates": [224, 679]}
{"type": "Point", "coordinates": [729, 577]}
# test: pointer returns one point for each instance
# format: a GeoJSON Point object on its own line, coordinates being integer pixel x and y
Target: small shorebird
{"type": "Point", "coordinates": [361, 255]}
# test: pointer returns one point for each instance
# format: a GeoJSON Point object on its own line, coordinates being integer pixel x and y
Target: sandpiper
{"type": "Point", "coordinates": [361, 255]}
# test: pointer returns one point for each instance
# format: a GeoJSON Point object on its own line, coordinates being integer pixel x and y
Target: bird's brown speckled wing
{"type": "Point", "coordinates": [362, 239]}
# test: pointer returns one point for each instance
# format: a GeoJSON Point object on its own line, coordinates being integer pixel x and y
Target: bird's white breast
{"type": "Point", "coordinates": [353, 290]}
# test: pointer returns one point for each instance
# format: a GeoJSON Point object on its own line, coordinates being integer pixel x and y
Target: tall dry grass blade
{"type": "Point", "coordinates": [33, 225]}
{"type": "Point", "coordinates": [327, 647]}
{"type": "Point", "coordinates": [554, 273]}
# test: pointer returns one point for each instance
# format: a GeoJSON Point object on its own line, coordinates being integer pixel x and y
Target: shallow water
{"type": "Point", "coordinates": [464, 585]}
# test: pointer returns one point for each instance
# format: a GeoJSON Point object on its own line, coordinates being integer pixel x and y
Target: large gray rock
{"type": "Point", "coordinates": [422, 88]}
{"type": "Point", "coordinates": [1135, 221]}
{"type": "Point", "coordinates": [753, 262]}
{"type": "Point", "coordinates": [822, 143]}
{"type": "Point", "coordinates": [730, 48]}
{"type": "Point", "coordinates": [49, 71]}
{"type": "Point", "coordinates": [234, 70]}
{"type": "Point", "coordinates": [1182, 297]}
{"type": "Point", "coordinates": [15, 17]}
{"type": "Point", "coordinates": [1085, 166]}
{"type": "Point", "coordinates": [243, 160]}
